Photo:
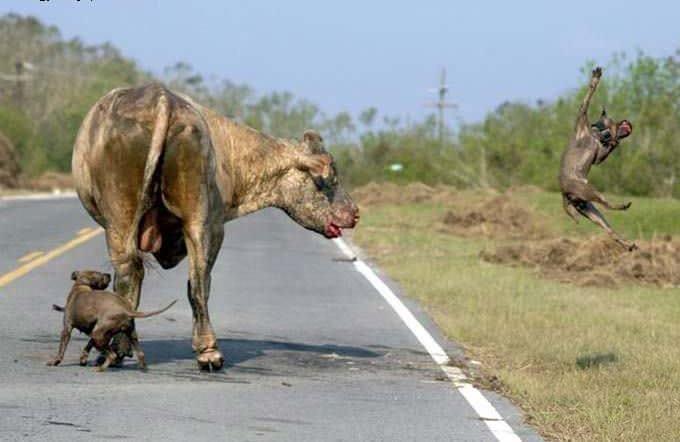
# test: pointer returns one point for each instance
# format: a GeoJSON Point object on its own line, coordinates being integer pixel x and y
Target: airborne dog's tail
{"type": "Point", "coordinates": [57, 308]}
{"type": "Point", "coordinates": [154, 313]}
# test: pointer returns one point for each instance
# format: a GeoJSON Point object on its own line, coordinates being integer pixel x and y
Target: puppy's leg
{"type": "Point", "coordinates": [101, 337]}
{"type": "Point", "coordinates": [86, 352]}
{"type": "Point", "coordinates": [134, 341]}
{"type": "Point", "coordinates": [588, 210]}
{"type": "Point", "coordinates": [110, 357]}
{"type": "Point", "coordinates": [63, 342]}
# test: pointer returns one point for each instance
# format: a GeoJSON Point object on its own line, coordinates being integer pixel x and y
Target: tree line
{"type": "Point", "coordinates": [48, 83]}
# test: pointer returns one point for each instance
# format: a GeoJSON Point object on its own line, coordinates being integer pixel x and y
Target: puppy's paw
{"type": "Point", "coordinates": [83, 361]}
{"type": "Point", "coordinates": [632, 247]}
{"type": "Point", "coordinates": [53, 362]}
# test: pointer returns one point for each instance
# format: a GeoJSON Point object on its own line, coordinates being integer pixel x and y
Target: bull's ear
{"type": "Point", "coordinates": [315, 164]}
{"type": "Point", "coordinates": [74, 275]}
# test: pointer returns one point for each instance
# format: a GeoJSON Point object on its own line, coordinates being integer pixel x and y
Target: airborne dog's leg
{"type": "Point", "coordinates": [597, 197]}
{"type": "Point", "coordinates": [588, 210]}
{"type": "Point", "coordinates": [569, 208]}
{"type": "Point", "coordinates": [584, 191]}
{"type": "Point", "coordinates": [582, 124]}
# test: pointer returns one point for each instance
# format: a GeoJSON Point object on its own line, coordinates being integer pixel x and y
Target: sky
{"type": "Point", "coordinates": [350, 55]}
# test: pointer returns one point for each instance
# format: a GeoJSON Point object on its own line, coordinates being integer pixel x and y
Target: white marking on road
{"type": "Point", "coordinates": [484, 409]}
{"type": "Point", "coordinates": [85, 230]}
{"type": "Point", "coordinates": [30, 256]}
{"type": "Point", "coordinates": [40, 196]}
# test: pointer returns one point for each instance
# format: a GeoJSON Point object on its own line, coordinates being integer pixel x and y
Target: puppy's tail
{"type": "Point", "coordinates": [154, 313]}
{"type": "Point", "coordinates": [57, 308]}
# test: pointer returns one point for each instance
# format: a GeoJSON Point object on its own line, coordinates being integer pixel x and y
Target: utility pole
{"type": "Point", "coordinates": [441, 104]}
{"type": "Point", "coordinates": [19, 91]}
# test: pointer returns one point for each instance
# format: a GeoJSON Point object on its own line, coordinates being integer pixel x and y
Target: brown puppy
{"type": "Point", "coordinates": [99, 314]}
{"type": "Point", "coordinates": [591, 144]}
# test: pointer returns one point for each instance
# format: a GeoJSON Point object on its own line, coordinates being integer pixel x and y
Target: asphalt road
{"type": "Point", "coordinates": [313, 352]}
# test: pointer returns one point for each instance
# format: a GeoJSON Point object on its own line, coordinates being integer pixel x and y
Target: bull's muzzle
{"type": "Point", "coordinates": [345, 216]}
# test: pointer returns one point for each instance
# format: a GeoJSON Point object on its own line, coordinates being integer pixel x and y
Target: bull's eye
{"type": "Point", "coordinates": [326, 186]}
{"type": "Point", "coordinates": [319, 182]}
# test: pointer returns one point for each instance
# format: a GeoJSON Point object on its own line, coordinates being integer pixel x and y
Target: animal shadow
{"type": "Point", "coordinates": [240, 351]}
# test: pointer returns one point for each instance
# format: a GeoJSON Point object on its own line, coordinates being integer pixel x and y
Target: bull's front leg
{"type": "Point", "coordinates": [203, 244]}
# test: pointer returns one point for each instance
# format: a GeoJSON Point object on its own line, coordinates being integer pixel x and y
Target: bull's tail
{"type": "Point", "coordinates": [148, 239]}
{"type": "Point", "coordinates": [154, 313]}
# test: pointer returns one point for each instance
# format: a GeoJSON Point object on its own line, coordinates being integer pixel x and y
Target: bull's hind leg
{"type": "Point", "coordinates": [191, 194]}
{"type": "Point", "coordinates": [203, 243]}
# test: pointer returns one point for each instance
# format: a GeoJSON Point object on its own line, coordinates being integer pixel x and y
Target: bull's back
{"type": "Point", "coordinates": [112, 148]}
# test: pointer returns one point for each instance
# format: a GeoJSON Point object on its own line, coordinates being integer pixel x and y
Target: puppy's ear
{"type": "Point", "coordinates": [107, 278]}
{"type": "Point", "coordinates": [604, 112]}
{"type": "Point", "coordinates": [74, 275]}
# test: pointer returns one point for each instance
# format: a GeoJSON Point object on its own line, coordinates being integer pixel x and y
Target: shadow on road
{"type": "Point", "coordinates": [238, 351]}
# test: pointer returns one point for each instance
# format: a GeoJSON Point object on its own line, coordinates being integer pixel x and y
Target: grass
{"type": "Point", "coordinates": [584, 363]}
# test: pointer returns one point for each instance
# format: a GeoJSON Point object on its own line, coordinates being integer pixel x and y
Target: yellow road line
{"type": "Point", "coordinates": [30, 256]}
{"type": "Point", "coordinates": [44, 259]}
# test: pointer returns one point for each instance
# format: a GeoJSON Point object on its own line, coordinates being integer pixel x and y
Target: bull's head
{"type": "Point", "coordinates": [310, 192]}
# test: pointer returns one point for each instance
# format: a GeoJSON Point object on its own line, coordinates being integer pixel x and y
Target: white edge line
{"type": "Point", "coordinates": [484, 409]}
{"type": "Point", "coordinates": [40, 196]}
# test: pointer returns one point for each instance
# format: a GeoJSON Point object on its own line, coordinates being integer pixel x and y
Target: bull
{"type": "Point", "coordinates": [162, 174]}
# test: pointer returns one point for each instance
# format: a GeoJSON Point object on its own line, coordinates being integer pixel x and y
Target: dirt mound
{"type": "Point", "coordinates": [9, 165]}
{"type": "Point", "coordinates": [598, 261]}
{"type": "Point", "coordinates": [51, 181]}
{"type": "Point", "coordinates": [389, 193]}
{"type": "Point", "coordinates": [497, 216]}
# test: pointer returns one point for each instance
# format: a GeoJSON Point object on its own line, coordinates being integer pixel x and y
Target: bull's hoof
{"type": "Point", "coordinates": [210, 360]}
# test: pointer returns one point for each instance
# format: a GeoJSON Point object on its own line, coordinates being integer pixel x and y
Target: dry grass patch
{"type": "Point", "coordinates": [596, 261]}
